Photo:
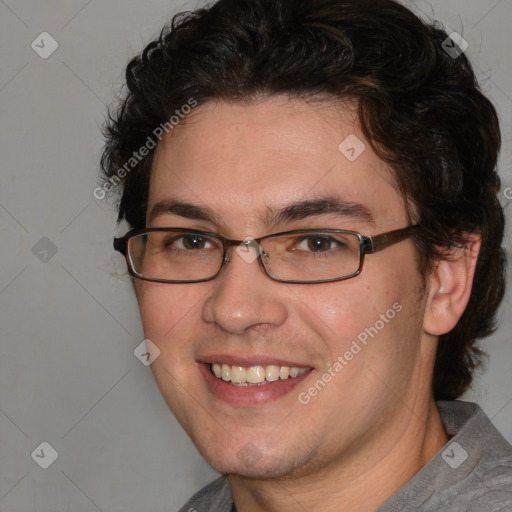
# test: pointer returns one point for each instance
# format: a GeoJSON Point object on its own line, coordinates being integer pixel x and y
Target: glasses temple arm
{"type": "Point", "coordinates": [379, 242]}
{"type": "Point", "coordinates": [120, 245]}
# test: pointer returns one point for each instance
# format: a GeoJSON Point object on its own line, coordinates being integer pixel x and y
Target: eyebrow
{"type": "Point", "coordinates": [330, 205]}
{"type": "Point", "coordinates": [300, 210]}
{"type": "Point", "coordinates": [184, 209]}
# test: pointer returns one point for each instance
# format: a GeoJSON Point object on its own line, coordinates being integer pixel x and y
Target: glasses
{"type": "Point", "coordinates": [178, 255]}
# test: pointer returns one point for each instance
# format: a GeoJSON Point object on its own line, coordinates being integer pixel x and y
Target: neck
{"type": "Point", "coordinates": [361, 480]}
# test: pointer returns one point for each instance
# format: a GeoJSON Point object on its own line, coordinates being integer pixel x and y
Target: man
{"type": "Point", "coordinates": [316, 252]}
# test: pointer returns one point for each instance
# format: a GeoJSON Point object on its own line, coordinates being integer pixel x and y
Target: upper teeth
{"type": "Point", "coordinates": [254, 374]}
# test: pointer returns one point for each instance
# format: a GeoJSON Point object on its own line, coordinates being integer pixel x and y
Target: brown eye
{"type": "Point", "coordinates": [317, 243]}
{"type": "Point", "coordinates": [191, 242]}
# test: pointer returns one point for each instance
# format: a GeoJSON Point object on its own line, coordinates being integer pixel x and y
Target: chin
{"type": "Point", "coordinates": [258, 471]}
{"type": "Point", "coordinates": [252, 462]}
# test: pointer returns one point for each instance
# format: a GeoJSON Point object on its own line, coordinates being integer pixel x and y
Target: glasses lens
{"type": "Point", "coordinates": [310, 256]}
{"type": "Point", "coordinates": [175, 255]}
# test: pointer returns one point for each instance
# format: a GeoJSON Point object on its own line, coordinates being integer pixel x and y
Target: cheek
{"type": "Point", "coordinates": [369, 320]}
{"type": "Point", "coordinates": [164, 308]}
{"type": "Point", "coordinates": [338, 311]}
{"type": "Point", "coordinates": [350, 302]}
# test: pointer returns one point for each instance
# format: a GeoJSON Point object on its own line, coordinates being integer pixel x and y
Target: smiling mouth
{"type": "Point", "coordinates": [254, 375]}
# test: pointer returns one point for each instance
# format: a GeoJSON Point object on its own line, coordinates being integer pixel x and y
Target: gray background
{"type": "Point", "coordinates": [68, 319]}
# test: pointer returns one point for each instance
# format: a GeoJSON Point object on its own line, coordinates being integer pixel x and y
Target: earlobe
{"type": "Point", "coordinates": [449, 288]}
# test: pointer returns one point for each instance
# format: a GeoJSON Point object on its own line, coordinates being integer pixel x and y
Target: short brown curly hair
{"type": "Point", "coordinates": [420, 107]}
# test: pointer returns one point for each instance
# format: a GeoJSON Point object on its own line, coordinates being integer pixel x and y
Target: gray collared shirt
{"type": "Point", "coordinates": [472, 473]}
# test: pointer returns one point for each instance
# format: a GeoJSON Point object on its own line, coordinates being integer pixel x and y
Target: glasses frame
{"type": "Point", "coordinates": [367, 245]}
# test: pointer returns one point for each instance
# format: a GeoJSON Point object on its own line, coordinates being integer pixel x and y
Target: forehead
{"type": "Point", "coordinates": [243, 160]}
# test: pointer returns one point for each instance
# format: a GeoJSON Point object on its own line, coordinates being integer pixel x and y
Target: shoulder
{"type": "Point", "coordinates": [215, 497]}
{"type": "Point", "coordinates": [482, 496]}
{"type": "Point", "coordinates": [471, 473]}
{"type": "Point", "coordinates": [478, 461]}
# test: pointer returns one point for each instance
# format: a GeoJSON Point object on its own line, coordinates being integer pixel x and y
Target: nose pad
{"type": "Point", "coordinates": [249, 250]}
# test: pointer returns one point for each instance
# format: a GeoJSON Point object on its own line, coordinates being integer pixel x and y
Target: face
{"type": "Point", "coordinates": [356, 343]}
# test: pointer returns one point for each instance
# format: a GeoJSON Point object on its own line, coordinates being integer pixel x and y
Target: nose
{"type": "Point", "coordinates": [243, 296]}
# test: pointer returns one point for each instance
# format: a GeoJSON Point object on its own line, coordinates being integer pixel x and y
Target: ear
{"type": "Point", "coordinates": [450, 286]}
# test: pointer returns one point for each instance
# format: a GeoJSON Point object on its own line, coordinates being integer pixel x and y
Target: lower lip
{"type": "Point", "coordinates": [249, 395]}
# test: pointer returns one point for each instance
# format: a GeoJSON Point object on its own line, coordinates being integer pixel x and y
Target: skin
{"type": "Point", "coordinates": [375, 424]}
